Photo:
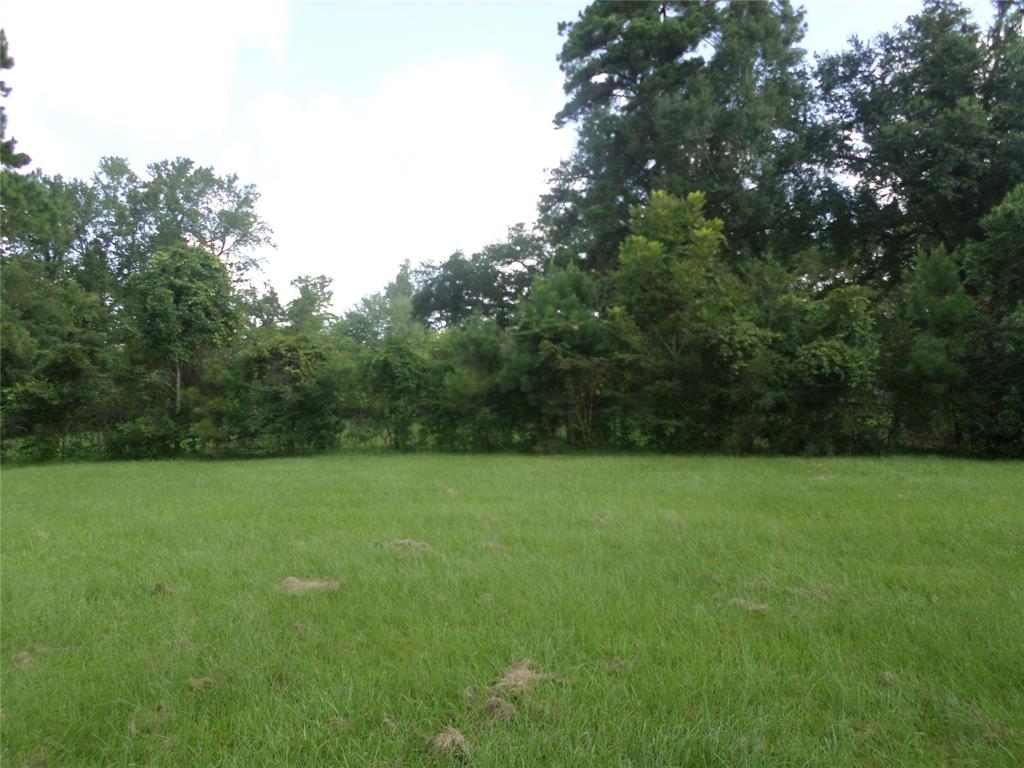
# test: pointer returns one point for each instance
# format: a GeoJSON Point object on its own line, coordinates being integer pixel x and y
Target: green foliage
{"type": "Point", "coordinates": [930, 377]}
{"type": "Point", "coordinates": [470, 408]}
{"type": "Point", "coordinates": [995, 265]}
{"type": "Point", "coordinates": [685, 97]}
{"type": "Point", "coordinates": [396, 383]}
{"type": "Point", "coordinates": [261, 310]}
{"type": "Point", "coordinates": [488, 283]}
{"type": "Point", "coordinates": [560, 362]}
{"type": "Point", "coordinates": [180, 306]}
{"type": "Point", "coordinates": [55, 358]}
{"type": "Point", "coordinates": [738, 256]}
{"type": "Point", "coordinates": [307, 312]}
{"type": "Point", "coordinates": [994, 418]}
{"type": "Point", "coordinates": [927, 123]}
{"type": "Point", "coordinates": [834, 394]}
{"type": "Point", "coordinates": [183, 202]}
{"type": "Point", "coordinates": [383, 316]}
{"type": "Point", "coordinates": [110, 227]}
{"type": "Point", "coordinates": [277, 392]}
{"type": "Point", "coordinates": [154, 435]}
{"type": "Point", "coordinates": [676, 292]}
{"type": "Point", "coordinates": [45, 219]}
{"type": "Point", "coordinates": [178, 202]}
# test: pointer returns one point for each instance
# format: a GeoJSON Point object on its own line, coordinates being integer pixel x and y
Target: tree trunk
{"type": "Point", "coordinates": [177, 387]}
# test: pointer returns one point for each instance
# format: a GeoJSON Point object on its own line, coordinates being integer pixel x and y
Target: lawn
{"type": "Point", "coordinates": [562, 611]}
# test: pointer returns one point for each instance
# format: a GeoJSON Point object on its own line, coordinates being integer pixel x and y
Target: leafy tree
{"type": "Point", "coordinates": [181, 304]}
{"type": "Point", "coordinates": [396, 383]}
{"type": "Point", "coordinates": [666, 264]}
{"type": "Point", "coordinates": [108, 229]}
{"type": "Point", "coordinates": [384, 315]}
{"type": "Point", "coordinates": [929, 375]}
{"type": "Point", "coordinates": [1001, 91]}
{"type": "Point", "coordinates": [994, 409]}
{"type": "Point", "coordinates": [391, 349]}
{"type": "Point", "coordinates": [995, 264]}
{"type": "Point", "coordinates": [834, 397]}
{"type": "Point", "coordinates": [685, 97]}
{"type": "Point", "coordinates": [47, 219]}
{"type": "Point", "coordinates": [274, 392]}
{"type": "Point", "coordinates": [55, 358]}
{"type": "Point", "coordinates": [927, 121]}
{"type": "Point", "coordinates": [178, 202]}
{"type": "Point", "coordinates": [687, 320]}
{"type": "Point", "coordinates": [189, 203]}
{"type": "Point", "coordinates": [307, 312]}
{"type": "Point", "coordinates": [488, 283]}
{"type": "Point", "coordinates": [560, 363]}
{"type": "Point", "coordinates": [261, 310]}
{"type": "Point", "coordinates": [470, 409]}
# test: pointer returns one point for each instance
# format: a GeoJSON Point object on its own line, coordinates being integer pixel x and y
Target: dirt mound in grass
{"type": "Point", "coordinates": [749, 605]}
{"type": "Point", "coordinates": [148, 721]}
{"type": "Point", "coordinates": [494, 545]}
{"type": "Point", "coordinates": [499, 709]}
{"type": "Point", "coordinates": [409, 544]}
{"type": "Point", "coordinates": [294, 586]}
{"type": "Point", "coordinates": [520, 678]}
{"type": "Point", "coordinates": [823, 592]}
{"type": "Point", "coordinates": [450, 743]}
{"type": "Point", "coordinates": [618, 666]}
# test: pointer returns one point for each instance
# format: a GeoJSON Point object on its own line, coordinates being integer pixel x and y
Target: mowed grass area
{"type": "Point", "coordinates": [676, 611]}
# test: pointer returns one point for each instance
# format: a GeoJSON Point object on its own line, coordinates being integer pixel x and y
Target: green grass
{"type": "Point", "coordinates": [883, 622]}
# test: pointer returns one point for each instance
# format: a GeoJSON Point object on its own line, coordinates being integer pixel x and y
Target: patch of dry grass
{"type": "Point", "coordinates": [296, 586]}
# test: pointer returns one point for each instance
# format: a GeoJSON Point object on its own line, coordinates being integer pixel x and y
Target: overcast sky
{"type": "Point", "coordinates": [375, 132]}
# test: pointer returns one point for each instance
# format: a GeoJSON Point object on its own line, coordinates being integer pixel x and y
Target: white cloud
{"type": "Point", "coordinates": [830, 23]}
{"type": "Point", "coordinates": [445, 155]}
{"type": "Point", "coordinates": [159, 72]}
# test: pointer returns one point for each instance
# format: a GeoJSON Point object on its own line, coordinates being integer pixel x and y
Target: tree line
{"type": "Point", "coordinates": [747, 251]}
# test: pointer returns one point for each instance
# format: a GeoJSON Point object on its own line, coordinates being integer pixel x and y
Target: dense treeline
{"type": "Point", "coordinates": [747, 251]}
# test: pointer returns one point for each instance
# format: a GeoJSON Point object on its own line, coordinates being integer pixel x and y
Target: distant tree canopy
{"type": "Point", "coordinates": [9, 156]}
{"type": "Point", "coordinates": [685, 97]}
{"type": "Point", "coordinates": [747, 251]}
{"type": "Point", "coordinates": [927, 121]}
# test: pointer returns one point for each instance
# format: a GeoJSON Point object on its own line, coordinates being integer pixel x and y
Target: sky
{"type": "Point", "coordinates": [376, 133]}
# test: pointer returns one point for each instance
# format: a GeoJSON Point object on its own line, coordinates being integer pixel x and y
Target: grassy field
{"type": "Point", "coordinates": [611, 611]}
